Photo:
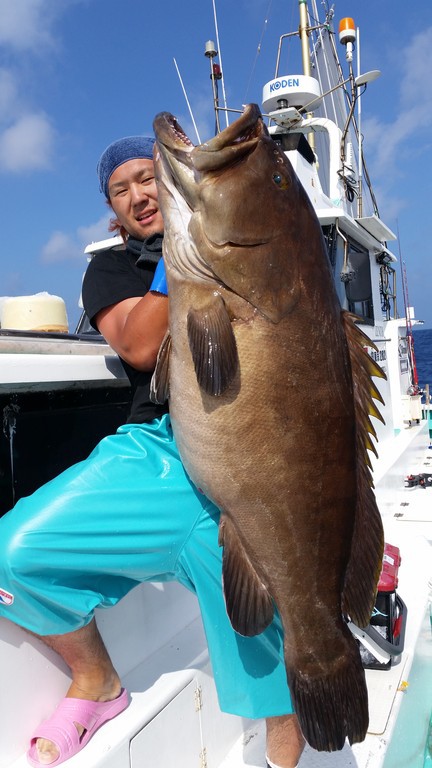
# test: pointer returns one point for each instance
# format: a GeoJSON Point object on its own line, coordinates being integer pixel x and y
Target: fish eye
{"type": "Point", "coordinates": [280, 180]}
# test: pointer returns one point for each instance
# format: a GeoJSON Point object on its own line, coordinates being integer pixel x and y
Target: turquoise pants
{"type": "Point", "coordinates": [126, 515]}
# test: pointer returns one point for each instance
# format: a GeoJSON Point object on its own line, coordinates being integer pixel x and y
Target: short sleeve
{"type": "Point", "coordinates": [112, 276]}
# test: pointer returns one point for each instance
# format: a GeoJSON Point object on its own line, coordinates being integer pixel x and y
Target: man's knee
{"type": "Point", "coordinates": [14, 549]}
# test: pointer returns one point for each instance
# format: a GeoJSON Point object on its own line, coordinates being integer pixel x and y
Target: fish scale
{"type": "Point", "coordinates": [280, 449]}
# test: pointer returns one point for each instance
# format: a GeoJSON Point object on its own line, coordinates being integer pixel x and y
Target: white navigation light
{"type": "Point", "coordinates": [210, 49]}
{"type": "Point", "coordinates": [291, 91]}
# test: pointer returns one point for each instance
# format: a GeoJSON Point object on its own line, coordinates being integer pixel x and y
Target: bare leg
{"type": "Point", "coordinates": [93, 675]}
{"type": "Point", "coordinates": [94, 678]}
{"type": "Point", "coordinates": [285, 741]}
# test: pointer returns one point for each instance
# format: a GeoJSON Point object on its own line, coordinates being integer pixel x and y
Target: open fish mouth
{"type": "Point", "coordinates": [187, 172]}
{"type": "Point", "coordinates": [171, 136]}
{"type": "Point", "coordinates": [226, 148]}
{"type": "Point", "coordinates": [202, 189]}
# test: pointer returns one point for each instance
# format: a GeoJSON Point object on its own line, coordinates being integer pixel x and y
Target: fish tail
{"type": "Point", "coordinates": [332, 707]}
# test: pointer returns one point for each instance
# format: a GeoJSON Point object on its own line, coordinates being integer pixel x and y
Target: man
{"type": "Point", "coordinates": [132, 484]}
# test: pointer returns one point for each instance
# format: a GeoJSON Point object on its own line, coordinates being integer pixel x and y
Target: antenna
{"type": "Point", "coordinates": [221, 67]}
{"type": "Point", "coordinates": [187, 101]}
{"type": "Point", "coordinates": [215, 75]}
{"type": "Point", "coordinates": [360, 139]}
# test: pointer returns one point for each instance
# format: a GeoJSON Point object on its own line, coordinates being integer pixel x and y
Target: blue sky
{"type": "Point", "coordinates": [77, 74]}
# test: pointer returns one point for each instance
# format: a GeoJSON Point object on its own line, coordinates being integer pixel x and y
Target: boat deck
{"type": "Point", "coordinates": [404, 691]}
{"type": "Point", "coordinates": [174, 715]}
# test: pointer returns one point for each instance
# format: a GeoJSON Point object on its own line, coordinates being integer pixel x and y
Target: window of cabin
{"type": "Point", "coordinates": [352, 276]}
{"type": "Point", "coordinates": [359, 288]}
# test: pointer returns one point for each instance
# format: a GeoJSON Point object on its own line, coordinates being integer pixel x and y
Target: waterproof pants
{"type": "Point", "coordinates": [125, 515]}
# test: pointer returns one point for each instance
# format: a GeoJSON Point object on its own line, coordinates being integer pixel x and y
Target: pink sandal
{"type": "Point", "coordinates": [60, 728]}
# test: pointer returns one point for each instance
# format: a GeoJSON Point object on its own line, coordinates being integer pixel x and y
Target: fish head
{"type": "Point", "coordinates": [238, 201]}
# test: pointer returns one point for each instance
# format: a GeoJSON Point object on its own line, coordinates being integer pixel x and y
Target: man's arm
{"type": "Point", "coordinates": [135, 327]}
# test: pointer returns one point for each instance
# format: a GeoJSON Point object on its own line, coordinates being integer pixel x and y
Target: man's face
{"type": "Point", "coordinates": [133, 197]}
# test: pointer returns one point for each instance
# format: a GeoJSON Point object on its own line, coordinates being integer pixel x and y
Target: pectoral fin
{"type": "Point", "coordinates": [248, 603]}
{"type": "Point", "coordinates": [159, 387]}
{"type": "Point", "coordinates": [213, 346]}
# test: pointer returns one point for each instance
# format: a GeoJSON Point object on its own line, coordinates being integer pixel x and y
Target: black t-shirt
{"type": "Point", "coordinates": [113, 276]}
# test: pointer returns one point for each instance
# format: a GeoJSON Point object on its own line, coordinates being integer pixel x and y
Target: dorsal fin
{"type": "Point", "coordinates": [365, 564]}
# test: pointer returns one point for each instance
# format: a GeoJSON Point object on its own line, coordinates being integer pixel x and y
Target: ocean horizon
{"type": "Point", "coordinates": [423, 355]}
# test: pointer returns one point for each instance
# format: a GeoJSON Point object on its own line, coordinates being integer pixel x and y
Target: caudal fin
{"type": "Point", "coordinates": [332, 707]}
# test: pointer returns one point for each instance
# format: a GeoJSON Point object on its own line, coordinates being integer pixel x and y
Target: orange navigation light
{"type": "Point", "coordinates": [347, 30]}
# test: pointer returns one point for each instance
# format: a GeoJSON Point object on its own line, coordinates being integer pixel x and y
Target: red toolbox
{"type": "Point", "coordinates": [383, 640]}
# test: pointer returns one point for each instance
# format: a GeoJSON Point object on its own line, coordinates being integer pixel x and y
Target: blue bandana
{"type": "Point", "coordinates": [119, 152]}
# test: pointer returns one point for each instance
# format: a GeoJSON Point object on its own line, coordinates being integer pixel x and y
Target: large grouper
{"type": "Point", "coordinates": [271, 392]}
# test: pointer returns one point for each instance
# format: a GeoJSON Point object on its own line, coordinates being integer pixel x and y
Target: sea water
{"type": "Point", "coordinates": [423, 356]}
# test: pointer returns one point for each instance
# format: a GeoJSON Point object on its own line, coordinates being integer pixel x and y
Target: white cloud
{"type": "Point", "coordinates": [60, 247]}
{"type": "Point", "coordinates": [94, 232]}
{"type": "Point", "coordinates": [8, 94]}
{"type": "Point", "coordinates": [27, 137]}
{"type": "Point", "coordinates": [26, 24]}
{"type": "Point", "coordinates": [387, 139]}
{"type": "Point", "coordinates": [398, 143]}
{"type": "Point", "coordinates": [66, 247]}
{"type": "Point", "coordinates": [391, 204]}
{"type": "Point", "coordinates": [415, 90]}
{"type": "Point", "coordinates": [27, 144]}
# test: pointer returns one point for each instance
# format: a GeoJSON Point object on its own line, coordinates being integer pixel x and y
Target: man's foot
{"type": "Point", "coordinates": [47, 752]}
{"type": "Point", "coordinates": [94, 681]}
